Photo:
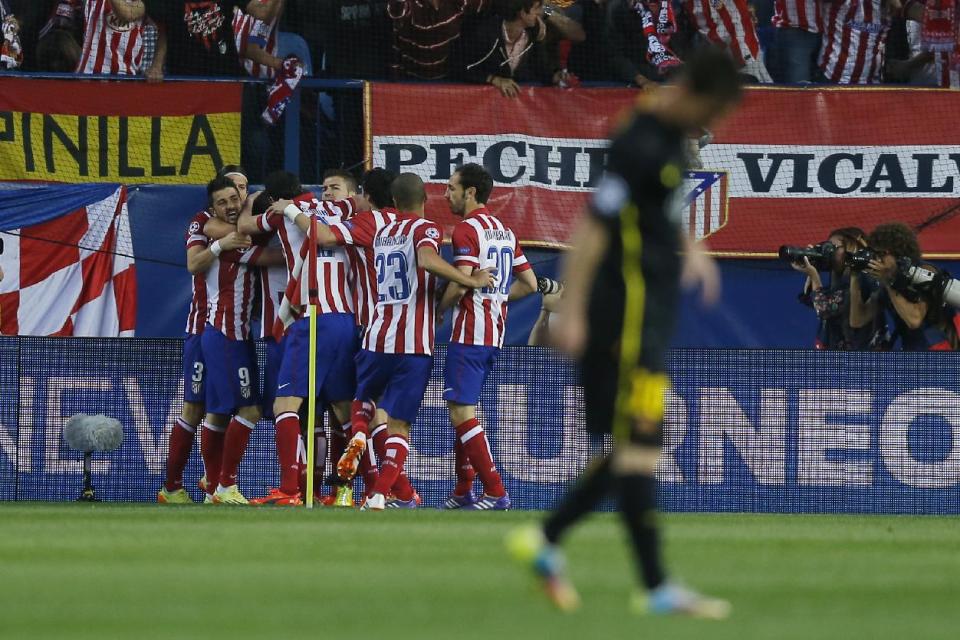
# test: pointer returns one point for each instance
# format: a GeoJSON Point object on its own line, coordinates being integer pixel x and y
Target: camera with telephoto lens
{"type": "Point", "coordinates": [860, 260]}
{"type": "Point", "coordinates": [928, 277]}
{"type": "Point", "coordinates": [820, 255]}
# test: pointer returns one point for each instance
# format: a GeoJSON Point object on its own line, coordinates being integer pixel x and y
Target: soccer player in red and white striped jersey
{"type": "Point", "coordinates": [397, 356]}
{"type": "Point", "coordinates": [181, 437]}
{"type": "Point", "coordinates": [232, 398]}
{"type": "Point", "coordinates": [480, 240]}
{"type": "Point", "coordinates": [729, 23]}
{"type": "Point", "coordinates": [854, 41]}
{"type": "Point", "coordinates": [798, 14]}
{"type": "Point", "coordinates": [113, 34]}
{"type": "Point", "coordinates": [339, 185]}
{"type": "Point", "coordinates": [336, 330]}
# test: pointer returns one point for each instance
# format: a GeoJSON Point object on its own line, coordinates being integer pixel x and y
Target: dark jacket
{"type": "Point", "coordinates": [485, 54]}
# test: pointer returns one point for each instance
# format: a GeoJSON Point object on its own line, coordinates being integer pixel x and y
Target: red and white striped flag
{"type": "Point", "coordinates": [72, 274]}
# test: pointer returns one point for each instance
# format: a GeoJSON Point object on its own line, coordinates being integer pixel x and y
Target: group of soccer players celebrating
{"type": "Point", "coordinates": [370, 264]}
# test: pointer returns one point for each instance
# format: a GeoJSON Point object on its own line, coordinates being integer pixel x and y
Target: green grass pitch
{"type": "Point", "coordinates": [145, 571]}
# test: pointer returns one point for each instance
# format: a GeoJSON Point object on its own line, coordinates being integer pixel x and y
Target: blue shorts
{"type": "Point", "coordinates": [270, 375]}
{"type": "Point", "coordinates": [466, 370]}
{"type": "Point", "coordinates": [336, 348]}
{"type": "Point", "coordinates": [233, 379]}
{"type": "Point", "coordinates": [398, 379]}
{"type": "Point", "coordinates": [194, 369]}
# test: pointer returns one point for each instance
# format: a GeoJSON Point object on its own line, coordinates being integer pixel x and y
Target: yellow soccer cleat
{"type": "Point", "coordinates": [344, 497]}
{"type": "Point", "coordinates": [229, 495]}
{"type": "Point", "coordinates": [528, 547]}
{"type": "Point", "coordinates": [180, 496]}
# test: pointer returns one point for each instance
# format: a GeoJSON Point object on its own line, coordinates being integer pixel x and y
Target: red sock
{"type": "Point", "coordinates": [379, 436]}
{"type": "Point", "coordinates": [234, 446]}
{"type": "Point", "coordinates": [211, 450]}
{"type": "Point", "coordinates": [470, 433]}
{"type": "Point", "coordinates": [287, 438]}
{"type": "Point", "coordinates": [393, 459]}
{"type": "Point", "coordinates": [465, 471]}
{"type": "Point", "coordinates": [319, 462]}
{"type": "Point", "coordinates": [361, 413]}
{"type": "Point", "coordinates": [402, 488]}
{"type": "Point", "coordinates": [368, 469]}
{"type": "Point", "coordinates": [178, 452]}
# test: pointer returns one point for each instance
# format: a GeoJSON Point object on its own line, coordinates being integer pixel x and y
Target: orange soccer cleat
{"type": "Point", "coordinates": [279, 498]}
{"type": "Point", "coordinates": [350, 460]}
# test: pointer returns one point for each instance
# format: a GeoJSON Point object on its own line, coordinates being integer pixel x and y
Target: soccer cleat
{"type": "Point", "coordinates": [344, 496]}
{"type": "Point", "coordinates": [489, 503]}
{"type": "Point", "coordinates": [376, 502]}
{"type": "Point", "coordinates": [229, 495]}
{"type": "Point", "coordinates": [528, 546]}
{"type": "Point", "coordinates": [459, 502]}
{"type": "Point", "coordinates": [205, 486]}
{"type": "Point", "coordinates": [180, 496]}
{"type": "Point", "coordinates": [327, 500]}
{"type": "Point", "coordinates": [279, 498]}
{"type": "Point", "coordinates": [350, 460]}
{"type": "Point", "coordinates": [670, 598]}
{"type": "Point", "coordinates": [396, 503]}
{"type": "Point", "coordinates": [208, 499]}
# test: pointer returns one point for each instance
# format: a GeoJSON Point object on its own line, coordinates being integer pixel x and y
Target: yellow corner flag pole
{"type": "Point", "coordinates": [313, 291]}
{"type": "Point", "coordinates": [311, 405]}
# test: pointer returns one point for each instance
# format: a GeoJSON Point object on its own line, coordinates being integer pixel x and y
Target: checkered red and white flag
{"type": "Point", "coordinates": [71, 273]}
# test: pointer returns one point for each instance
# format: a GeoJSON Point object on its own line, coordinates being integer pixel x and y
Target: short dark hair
{"type": "Point", "coordinates": [232, 168]}
{"type": "Point", "coordinates": [510, 9]}
{"type": "Point", "coordinates": [897, 239]}
{"type": "Point", "coordinates": [347, 177]}
{"type": "Point", "coordinates": [376, 186]}
{"type": "Point", "coordinates": [218, 184]}
{"type": "Point", "coordinates": [473, 175]}
{"type": "Point", "coordinates": [408, 192]}
{"type": "Point", "coordinates": [261, 203]}
{"type": "Point", "coordinates": [283, 185]}
{"type": "Point", "coordinates": [850, 235]}
{"type": "Point", "coordinates": [710, 72]}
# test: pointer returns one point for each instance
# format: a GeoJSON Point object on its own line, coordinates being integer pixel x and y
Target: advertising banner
{"type": "Point", "coordinates": [746, 430]}
{"type": "Point", "coordinates": [786, 167]}
{"type": "Point", "coordinates": [128, 132]}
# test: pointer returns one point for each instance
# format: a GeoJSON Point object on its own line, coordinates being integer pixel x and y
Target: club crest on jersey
{"type": "Point", "coordinates": [433, 233]}
{"type": "Point", "coordinates": [194, 227]}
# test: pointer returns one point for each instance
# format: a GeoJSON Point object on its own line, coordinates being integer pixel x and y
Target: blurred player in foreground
{"type": "Point", "coordinates": [622, 281]}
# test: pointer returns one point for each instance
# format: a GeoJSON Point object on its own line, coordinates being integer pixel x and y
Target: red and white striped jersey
{"type": "Point", "coordinates": [727, 23]}
{"type": "Point", "coordinates": [854, 41]}
{"type": "Point", "coordinates": [197, 317]}
{"type": "Point", "coordinates": [109, 46]}
{"type": "Point", "coordinates": [363, 273]}
{"type": "Point", "coordinates": [403, 319]}
{"type": "Point", "coordinates": [273, 284]}
{"type": "Point", "coordinates": [333, 268]}
{"type": "Point", "coordinates": [247, 29]}
{"type": "Point", "coordinates": [230, 286]}
{"type": "Point", "coordinates": [482, 241]}
{"type": "Point", "coordinates": [798, 14]}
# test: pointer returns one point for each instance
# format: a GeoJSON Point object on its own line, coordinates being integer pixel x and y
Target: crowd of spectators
{"type": "Point", "coordinates": [497, 42]}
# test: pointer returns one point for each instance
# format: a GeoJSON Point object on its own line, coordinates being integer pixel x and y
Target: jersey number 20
{"type": "Point", "coordinates": [503, 261]}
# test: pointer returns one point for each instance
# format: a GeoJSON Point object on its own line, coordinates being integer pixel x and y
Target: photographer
{"type": "Point", "coordinates": [831, 302]}
{"type": "Point", "coordinates": [921, 322]}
